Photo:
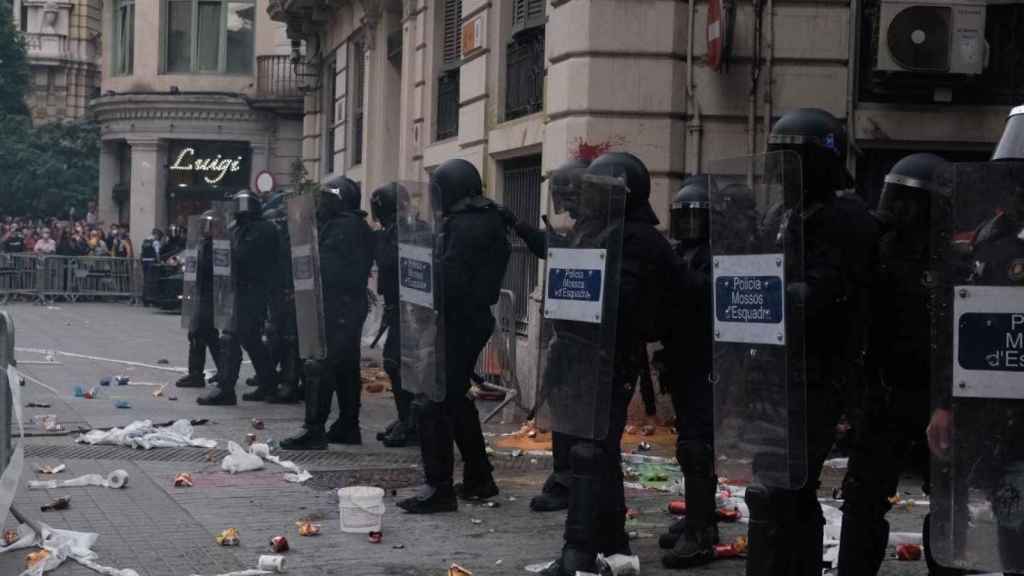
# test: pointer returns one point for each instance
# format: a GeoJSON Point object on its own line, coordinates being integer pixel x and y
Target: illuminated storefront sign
{"type": "Point", "coordinates": [213, 169]}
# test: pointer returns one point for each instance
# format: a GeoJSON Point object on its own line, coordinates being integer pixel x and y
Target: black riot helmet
{"type": "Point", "coordinates": [820, 140]}
{"type": "Point", "coordinates": [210, 222]}
{"type": "Point", "coordinates": [1011, 143]}
{"type": "Point", "coordinates": [452, 181]}
{"type": "Point", "coordinates": [628, 167]}
{"type": "Point", "coordinates": [247, 203]}
{"type": "Point", "coordinates": [909, 186]}
{"type": "Point", "coordinates": [339, 195]}
{"type": "Point", "coordinates": [690, 209]}
{"type": "Point", "coordinates": [564, 185]}
{"type": "Point", "coordinates": [386, 200]}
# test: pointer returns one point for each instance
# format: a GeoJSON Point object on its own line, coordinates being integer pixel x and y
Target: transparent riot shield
{"type": "Point", "coordinates": [189, 287]}
{"type": "Point", "coordinates": [581, 306]}
{"type": "Point", "coordinates": [309, 309]}
{"type": "Point", "coordinates": [420, 293]}
{"type": "Point", "coordinates": [758, 369]}
{"type": "Point", "coordinates": [977, 498]}
{"type": "Point", "coordinates": [223, 288]}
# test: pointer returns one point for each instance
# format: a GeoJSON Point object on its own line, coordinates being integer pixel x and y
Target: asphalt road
{"type": "Point", "coordinates": [156, 529]}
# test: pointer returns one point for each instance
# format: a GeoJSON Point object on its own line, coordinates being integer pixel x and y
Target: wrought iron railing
{"type": "Point", "coordinates": [524, 78]}
{"type": "Point", "coordinates": [448, 105]}
{"type": "Point", "coordinates": [522, 196]}
{"type": "Point", "coordinates": [275, 76]}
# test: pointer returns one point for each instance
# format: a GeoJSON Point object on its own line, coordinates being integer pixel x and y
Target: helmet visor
{"type": "Point", "coordinates": [689, 221]}
{"type": "Point", "coordinates": [1011, 144]}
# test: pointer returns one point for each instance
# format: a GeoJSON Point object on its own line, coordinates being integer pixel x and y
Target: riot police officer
{"type": "Point", "coordinates": [596, 517]}
{"type": "Point", "coordinates": [839, 240]}
{"type": "Point", "coordinates": [563, 185]}
{"type": "Point", "coordinates": [894, 411]}
{"type": "Point", "coordinates": [384, 208]}
{"type": "Point", "coordinates": [687, 366]}
{"type": "Point", "coordinates": [344, 240]}
{"type": "Point", "coordinates": [254, 254]}
{"type": "Point", "coordinates": [202, 334]}
{"type": "Point", "coordinates": [472, 252]}
{"type": "Point", "coordinates": [280, 330]}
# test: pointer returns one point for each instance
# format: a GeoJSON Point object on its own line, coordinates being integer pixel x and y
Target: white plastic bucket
{"type": "Point", "coordinates": [361, 509]}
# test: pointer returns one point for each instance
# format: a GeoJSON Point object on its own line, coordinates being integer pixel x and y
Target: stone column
{"type": "Point", "coordinates": [149, 189]}
{"type": "Point", "coordinates": [109, 173]}
{"type": "Point", "coordinates": [383, 106]}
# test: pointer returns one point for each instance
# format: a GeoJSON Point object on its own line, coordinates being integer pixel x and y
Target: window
{"type": "Point", "coordinates": [358, 68]}
{"type": "Point", "coordinates": [527, 14]}
{"type": "Point", "coordinates": [330, 102]}
{"type": "Point", "coordinates": [451, 59]}
{"type": "Point", "coordinates": [524, 72]}
{"type": "Point", "coordinates": [124, 37]}
{"type": "Point", "coordinates": [209, 36]}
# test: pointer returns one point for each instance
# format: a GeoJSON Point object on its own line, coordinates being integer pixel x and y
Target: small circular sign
{"type": "Point", "coordinates": [265, 182]}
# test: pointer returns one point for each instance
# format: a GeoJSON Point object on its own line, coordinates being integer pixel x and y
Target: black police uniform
{"type": "Point", "coordinates": [202, 334]}
{"type": "Point", "coordinates": [472, 251]}
{"type": "Point", "coordinates": [840, 238]}
{"type": "Point", "coordinates": [254, 253]}
{"type": "Point", "coordinates": [894, 407]}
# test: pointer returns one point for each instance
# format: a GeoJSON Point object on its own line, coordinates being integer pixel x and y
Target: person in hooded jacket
{"type": "Point", "coordinates": [472, 252]}
{"type": "Point", "coordinates": [345, 243]}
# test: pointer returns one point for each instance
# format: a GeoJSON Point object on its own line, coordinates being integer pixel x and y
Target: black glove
{"type": "Point", "coordinates": [508, 216]}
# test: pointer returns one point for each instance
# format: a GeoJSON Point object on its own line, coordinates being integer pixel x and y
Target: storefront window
{"type": "Point", "coordinates": [124, 37]}
{"type": "Point", "coordinates": [202, 172]}
{"type": "Point", "coordinates": [209, 36]}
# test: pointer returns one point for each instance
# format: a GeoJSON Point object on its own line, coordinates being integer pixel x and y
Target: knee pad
{"type": "Point", "coordinates": [585, 458]}
{"type": "Point", "coordinates": [424, 407]}
{"type": "Point", "coordinates": [696, 458]}
{"type": "Point", "coordinates": [860, 497]}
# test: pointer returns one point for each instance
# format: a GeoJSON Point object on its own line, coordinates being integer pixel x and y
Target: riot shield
{"type": "Point", "coordinates": [581, 306]}
{"type": "Point", "coordinates": [758, 369]}
{"type": "Point", "coordinates": [223, 288]}
{"type": "Point", "coordinates": [189, 287]}
{"type": "Point", "coordinates": [977, 498]}
{"type": "Point", "coordinates": [420, 294]}
{"type": "Point", "coordinates": [305, 254]}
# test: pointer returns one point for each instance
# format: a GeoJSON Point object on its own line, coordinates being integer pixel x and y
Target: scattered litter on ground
{"type": "Point", "coordinates": [50, 469]}
{"type": "Point", "coordinates": [538, 568]}
{"type": "Point", "coordinates": [307, 528]}
{"type": "Point", "coordinates": [476, 521]}
{"type": "Point", "coordinates": [837, 463]}
{"type": "Point", "coordinates": [398, 547]}
{"type": "Point", "coordinates": [250, 439]}
{"type": "Point", "coordinates": [62, 503]}
{"type": "Point", "coordinates": [619, 565]}
{"type": "Point", "coordinates": [274, 564]}
{"type": "Point", "coordinates": [37, 405]}
{"type": "Point", "coordinates": [644, 447]}
{"type": "Point", "coordinates": [122, 404]}
{"type": "Point", "coordinates": [159, 391]}
{"type": "Point", "coordinates": [279, 544]}
{"type": "Point", "coordinates": [228, 537]}
{"type": "Point", "coordinates": [37, 557]}
{"type": "Point", "coordinates": [375, 537]}
{"type": "Point", "coordinates": [183, 480]}
{"type": "Point", "coordinates": [143, 434]}
{"type": "Point", "coordinates": [239, 460]}
{"type": "Point", "coordinates": [116, 480]}
{"type": "Point", "coordinates": [163, 361]}
{"type": "Point", "coordinates": [58, 546]}
{"type": "Point", "coordinates": [733, 550]}
{"type": "Point", "coordinates": [908, 552]}
{"type": "Point", "coordinates": [257, 424]}
{"type": "Point", "coordinates": [105, 381]}
{"type": "Point", "coordinates": [457, 570]}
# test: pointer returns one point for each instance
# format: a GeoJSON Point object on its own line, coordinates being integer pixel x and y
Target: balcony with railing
{"type": "Point", "coordinates": [277, 84]}
{"type": "Point", "coordinates": [41, 45]}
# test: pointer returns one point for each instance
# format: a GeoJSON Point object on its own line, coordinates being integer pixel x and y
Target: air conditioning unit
{"type": "Point", "coordinates": [932, 36]}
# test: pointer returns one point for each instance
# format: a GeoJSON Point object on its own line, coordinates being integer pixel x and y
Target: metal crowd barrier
{"type": "Point", "coordinates": [68, 278]}
{"type": "Point", "coordinates": [497, 362]}
{"type": "Point", "coordinates": [6, 414]}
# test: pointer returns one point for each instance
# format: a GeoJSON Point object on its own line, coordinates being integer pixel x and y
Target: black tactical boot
{"type": "Point", "coordinates": [191, 381]}
{"type": "Point", "coordinates": [477, 487]}
{"type": "Point", "coordinates": [696, 546]}
{"type": "Point", "coordinates": [400, 436]}
{"type": "Point", "coordinates": [667, 541]}
{"type": "Point", "coordinates": [307, 440]}
{"type": "Point", "coordinates": [431, 500]}
{"type": "Point", "coordinates": [553, 497]}
{"type": "Point", "coordinates": [382, 435]}
{"type": "Point", "coordinates": [285, 394]}
{"type": "Point", "coordinates": [260, 394]}
{"type": "Point", "coordinates": [219, 397]}
{"type": "Point", "coordinates": [344, 434]}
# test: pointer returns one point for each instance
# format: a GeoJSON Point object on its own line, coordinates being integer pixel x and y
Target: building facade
{"type": "Point", "coordinates": [198, 99]}
{"type": "Point", "coordinates": [63, 39]}
{"type": "Point", "coordinates": [519, 86]}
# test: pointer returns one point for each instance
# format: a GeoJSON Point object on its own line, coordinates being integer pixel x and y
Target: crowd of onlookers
{"type": "Point", "coordinates": [54, 236]}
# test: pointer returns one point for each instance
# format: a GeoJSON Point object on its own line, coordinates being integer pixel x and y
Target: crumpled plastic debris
{"type": "Point", "coordinates": [143, 434]}
{"type": "Point", "coordinates": [61, 545]}
{"type": "Point", "coordinates": [48, 422]}
{"type": "Point", "coordinates": [50, 469]}
{"type": "Point", "coordinates": [456, 570]}
{"type": "Point", "coordinates": [619, 565]}
{"type": "Point", "coordinates": [307, 528]}
{"type": "Point", "coordinates": [116, 479]}
{"type": "Point", "coordinates": [279, 544]}
{"type": "Point", "coordinates": [183, 480]}
{"type": "Point", "coordinates": [908, 552]}
{"type": "Point", "coordinates": [238, 460]}
{"type": "Point", "coordinates": [62, 503]}
{"type": "Point", "coordinates": [228, 537]}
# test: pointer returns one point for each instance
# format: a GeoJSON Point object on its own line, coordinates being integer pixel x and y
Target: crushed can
{"type": "Point", "coordinates": [228, 537]}
{"type": "Point", "coordinates": [307, 528]}
{"type": "Point", "coordinates": [36, 557]}
{"type": "Point", "coordinates": [257, 424]}
{"type": "Point", "coordinates": [10, 537]}
{"type": "Point", "coordinates": [279, 544]}
{"type": "Point", "coordinates": [677, 507]}
{"type": "Point", "coordinates": [908, 552]}
{"type": "Point", "coordinates": [376, 537]}
{"type": "Point", "coordinates": [62, 503]}
{"type": "Point", "coordinates": [183, 480]}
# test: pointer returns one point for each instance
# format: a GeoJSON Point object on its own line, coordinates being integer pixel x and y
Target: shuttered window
{"type": "Point", "coordinates": [451, 34]}
{"type": "Point", "coordinates": [527, 14]}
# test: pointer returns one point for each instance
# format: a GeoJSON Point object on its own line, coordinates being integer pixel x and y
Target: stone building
{"type": "Point", "coordinates": [63, 41]}
{"type": "Point", "coordinates": [199, 97]}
